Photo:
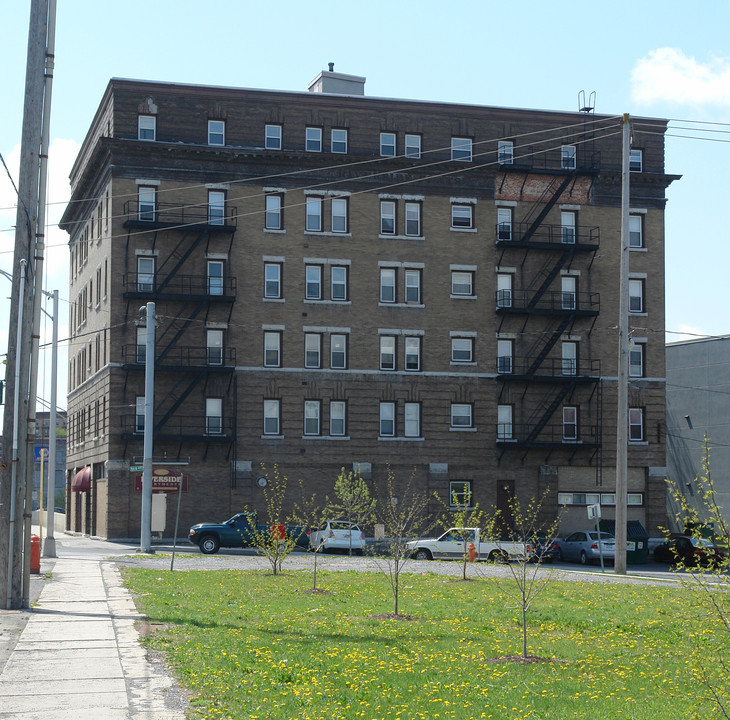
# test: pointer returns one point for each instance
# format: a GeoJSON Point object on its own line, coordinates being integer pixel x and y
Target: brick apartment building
{"type": "Point", "coordinates": [346, 281]}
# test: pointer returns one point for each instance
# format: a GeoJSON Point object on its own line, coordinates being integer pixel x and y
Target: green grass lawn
{"type": "Point", "coordinates": [252, 645]}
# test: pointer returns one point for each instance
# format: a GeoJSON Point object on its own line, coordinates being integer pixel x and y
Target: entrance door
{"type": "Point", "coordinates": [505, 498]}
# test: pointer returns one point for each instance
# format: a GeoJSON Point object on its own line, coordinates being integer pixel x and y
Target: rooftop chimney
{"type": "Point", "coordinates": [328, 81]}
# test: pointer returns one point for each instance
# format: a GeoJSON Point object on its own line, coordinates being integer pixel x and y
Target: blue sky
{"type": "Point", "coordinates": [666, 59]}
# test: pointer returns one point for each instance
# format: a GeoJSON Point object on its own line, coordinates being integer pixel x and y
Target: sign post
{"type": "Point", "coordinates": [594, 513]}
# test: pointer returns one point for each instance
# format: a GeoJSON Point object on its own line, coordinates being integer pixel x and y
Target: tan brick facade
{"type": "Point", "coordinates": [336, 301]}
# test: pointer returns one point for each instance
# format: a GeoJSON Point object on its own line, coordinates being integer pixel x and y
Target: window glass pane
{"type": "Point", "coordinates": [145, 274]}
{"type": "Point", "coordinates": [216, 132]}
{"type": "Point", "coordinates": [387, 419]}
{"type": "Point", "coordinates": [146, 127]}
{"type": "Point", "coordinates": [413, 286]}
{"type": "Point", "coordinates": [312, 345]}
{"type": "Point", "coordinates": [273, 137]}
{"type": "Point", "coordinates": [636, 160]}
{"type": "Point", "coordinates": [505, 152]}
{"type": "Point", "coordinates": [339, 283]}
{"type": "Point", "coordinates": [412, 419]}
{"type": "Point", "coordinates": [146, 204]}
{"type": "Point", "coordinates": [314, 215]}
{"type": "Point", "coordinates": [460, 415]}
{"type": "Point", "coordinates": [461, 349]}
{"type": "Point", "coordinates": [337, 417]}
{"type": "Point", "coordinates": [339, 215]}
{"type": "Point", "coordinates": [413, 146]}
{"type": "Point", "coordinates": [272, 280]}
{"type": "Point", "coordinates": [215, 277]}
{"type": "Point", "coordinates": [461, 283]}
{"type": "Point", "coordinates": [216, 207]}
{"type": "Point", "coordinates": [567, 157]}
{"type": "Point", "coordinates": [313, 282]}
{"type": "Point", "coordinates": [636, 296]}
{"type": "Point", "coordinates": [311, 417]}
{"type": "Point", "coordinates": [461, 216]}
{"type": "Point", "coordinates": [339, 141]}
{"type": "Point", "coordinates": [387, 144]}
{"type": "Point", "coordinates": [387, 285]}
{"type": "Point", "coordinates": [413, 353]}
{"type": "Point", "coordinates": [636, 361]}
{"type": "Point", "coordinates": [338, 352]}
{"type": "Point", "coordinates": [460, 493]}
{"type": "Point", "coordinates": [635, 238]}
{"type": "Point", "coordinates": [272, 341]}
{"type": "Point", "coordinates": [387, 352]}
{"type": "Point", "coordinates": [504, 356]}
{"type": "Point", "coordinates": [504, 224]}
{"type": "Point", "coordinates": [313, 139]}
{"type": "Point", "coordinates": [413, 219]}
{"type": "Point", "coordinates": [271, 417]}
{"type": "Point", "coordinates": [504, 422]}
{"type": "Point", "coordinates": [387, 218]}
{"type": "Point", "coordinates": [504, 290]}
{"type": "Point", "coordinates": [567, 227]}
{"type": "Point", "coordinates": [214, 343]}
{"type": "Point", "coordinates": [461, 149]}
{"type": "Point", "coordinates": [273, 212]}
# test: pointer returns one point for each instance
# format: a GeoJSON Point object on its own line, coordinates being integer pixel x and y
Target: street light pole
{"type": "Point", "coordinates": [49, 546]}
{"type": "Point", "coordinates": [149, 418]}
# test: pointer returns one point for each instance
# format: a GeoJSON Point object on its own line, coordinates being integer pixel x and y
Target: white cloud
{"type": "Point", "coordinates": [669, 75]}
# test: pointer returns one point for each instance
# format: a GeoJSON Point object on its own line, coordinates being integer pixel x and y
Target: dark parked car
{"type": "Point", "coordinates": [690, 551]}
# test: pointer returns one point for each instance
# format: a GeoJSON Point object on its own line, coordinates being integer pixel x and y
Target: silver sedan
{"type": "Point", "coordinates": [582, 546]}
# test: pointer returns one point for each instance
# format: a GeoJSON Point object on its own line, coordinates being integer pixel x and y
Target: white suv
{"type": "Point", "coordinates": [337, 535]}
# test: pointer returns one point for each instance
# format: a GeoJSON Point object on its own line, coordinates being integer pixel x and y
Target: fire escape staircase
{"type": "Point", "coordinates": [547, 413]}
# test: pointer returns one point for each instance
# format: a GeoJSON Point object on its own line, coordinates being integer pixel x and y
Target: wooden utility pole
{"type": "Point", "coordinates": [14, 472]}
{"type": "Point", "coordinates": [622, 413]}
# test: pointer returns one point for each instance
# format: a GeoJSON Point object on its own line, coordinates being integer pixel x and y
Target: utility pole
{"type": "Point", "coordinates": [622, 413]}
{"type": "Point", "coordinates": [15, 469]}
{"type": "Point", "coordinates": [145, 541]}
{"type": "Point", "coordinates": [49, 546]}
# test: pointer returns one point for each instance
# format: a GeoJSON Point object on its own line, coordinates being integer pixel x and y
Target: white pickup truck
{"type": "Point", "coordinates": [455, 542]}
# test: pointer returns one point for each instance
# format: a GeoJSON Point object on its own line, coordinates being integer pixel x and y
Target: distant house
{"type": "Point", "coordinates": [698, 406]}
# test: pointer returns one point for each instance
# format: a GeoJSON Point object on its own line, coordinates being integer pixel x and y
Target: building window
{"type": "Point", "coordinates": [505, 152]}
{"type": "Point", "coordinates": [339, 215]}
{"type": "Point", "coordinates": [387, 217]}
{"type": "Point", "coordinates": [271, 417]}
{"type": "Point", "coordinates": [146, 127]}
{"type": "Point", "coordinates": [413, 286]}
{"type": "Point", "coordinates": [215, 277]}
{"type": "Point", "coordinates": [567, 157]}
{"type": "Point", "coordinates": [313, 282]}
{"type": "Point", "coordinates": [460, 494]}
{"type": "Point", "coordinates": [314, 214]}
{"type": "Point", "coordinates": [636, 424]}
{"type": "Point", "coordinates": [313, 139]}
{"type": "Point", "coordinates": [272, 219]}
{"type": "Point", "coordinates": [504, 290]}
{"type": "Point", "coordinates": [387, 352]}
{"type": "Point", "coordinates": [413, 354]}
{"type": "Point", "coordinates": [636, 160]}
{"type": "Point", "coordinates": [504, 224]}
{"type": "Point", "coordinates": [338, 352]}
{"type": "Point", "coordinates": [216, 132]}
{"type": "Point", "coordinates": [214, 416]}
{"type": "Point", "coordinates": [387, 285]}
{"type": "Point", "coordinates": [412, 419]}
{"type": "Point", "coordinates": [570, 358]}
{"type": "Point", "coordinates": [272, 349]}
{"type": "Point", "coordinates": [311, 417]}
{"type": "Point", "coordinates": [312, 350]}
{"type": "Point", "coordinates": [338, 141]}
{"type": "Point", "coordinates": [216, 207]}
{"type": "Point", "coordinates": [504, 356]}
{"type": "Point", "coordinates": [338, 412]}
{"type": "Point", "coordinates": [141, 354]}
{"type": "Point", "coordinates": [146, 203]}
{"type": "Point", "coordinates": [413, 146]}
{"type": "Point", "coordinates": [636, 296]}
{"type": "Point", "coordinates": [504, 422]}
{"type": "Point", "coordinates": [461, 149]}
{"type": "Point", "coordinates": [462, 283]}
{"type": "Point", "coordinates": [139, 414]}
{"type": "Point", "coordinates": [461, 415]}
{"type": "Point", "coordinates": [214, 347]}
{"type": "Point", "coordinates": [338, 282]}
{"type": "Point", "coordinates": [462, 216]}
{"type": "Point", "coordinates": [272, 280]}
{"type": "Point", "coordinates": [413, 219]}
{"type": "Point", "coordinates": [387, 144]}
{"type": "Point", "coordinates": [636, 360]}
{"type": "Point", "coordinates": [567, 227]}
{"type": "Point", "coordinates": [570, 423]}
{"type": "Point", "coordinates": [568, 295]}
{"type": "Point", "coordinates": [272, 139]}
{"type": "Point", "coordinates": [145, 274]}
{"type": "Point", "coordinates": [387, 419]}
{"type": "Point", "coordinates": [462, 349]}
{"type": "Point", "coordinates": [636, 236]}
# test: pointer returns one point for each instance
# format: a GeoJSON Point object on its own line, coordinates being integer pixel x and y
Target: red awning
{"type": "Point", "coordinates": [82, 480]}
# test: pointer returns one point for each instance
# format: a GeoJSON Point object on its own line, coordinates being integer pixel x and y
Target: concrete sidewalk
{"type": "Point", "coordinates": [79, 656]}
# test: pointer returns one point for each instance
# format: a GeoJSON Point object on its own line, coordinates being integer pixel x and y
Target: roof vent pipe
{"type": "Point", "coordinates": [331, 67]}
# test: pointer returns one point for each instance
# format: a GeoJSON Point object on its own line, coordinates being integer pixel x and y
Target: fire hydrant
{"type": "Point", "coordinates": [35, 554]}
{"type": "Point", "coordinates": [472, 552]}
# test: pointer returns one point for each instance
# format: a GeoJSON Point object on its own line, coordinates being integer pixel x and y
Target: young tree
{"type": "Point", "coordinates": [311, 512]}
{"type": "Point", "coordinates": [463, 516]}
{"type": "Point", "coordinates": [269, 532]}
{"type": "Point", "coordinates": [707, 588]}
{"type": "Point", "coordinates": [527, 546]}
{"type": "Point", "coordinates": [353, 500]}
{"type": "Point", "coordinates": [403, 511]}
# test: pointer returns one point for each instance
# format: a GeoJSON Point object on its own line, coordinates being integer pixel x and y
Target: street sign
{"type": "Point", "coordinates": [594, 512]}
{"type": "Point", "coordinates": [41, 453]}
{"type": "Point", "coordinates": [136, 468]}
